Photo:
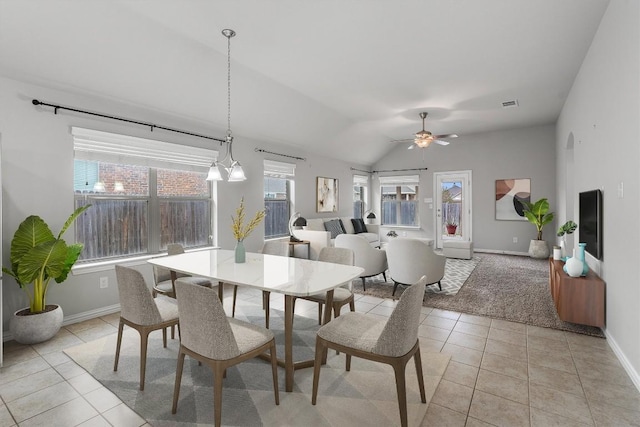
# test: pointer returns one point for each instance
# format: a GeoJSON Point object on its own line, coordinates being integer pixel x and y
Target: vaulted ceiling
{"type": "Point", "coordinates": [339, 77]}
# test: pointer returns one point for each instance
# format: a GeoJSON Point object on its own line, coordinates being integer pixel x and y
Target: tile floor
{"type": "Point", "coordinates": [501, 373]}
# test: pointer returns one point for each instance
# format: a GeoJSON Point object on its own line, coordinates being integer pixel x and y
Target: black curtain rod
{"type": "Point", "coordinates": [401, 170]}
{"type": "Point", "coordinates": [260, 150]}
{"type": "Point", "coordinates": [360, 170]}
{"type": "Point", "coordinates": [137, 122]}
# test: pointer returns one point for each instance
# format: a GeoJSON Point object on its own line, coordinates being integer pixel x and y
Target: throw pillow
{"type": "Point", "coordinates": [358, 225]}
{"type": "Point", "coordinates": [334, 227]}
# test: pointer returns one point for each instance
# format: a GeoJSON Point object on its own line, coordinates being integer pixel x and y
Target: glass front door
{"type": "Point", "coordinates": [453, 206]}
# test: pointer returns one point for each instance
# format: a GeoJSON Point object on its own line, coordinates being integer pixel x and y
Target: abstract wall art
{"type": "Point", "coordinates": [327, 195]}
{"type": "Point", "coordinates": [510, 193]}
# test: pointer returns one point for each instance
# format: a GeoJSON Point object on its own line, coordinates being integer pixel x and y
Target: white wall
{"type": "Point", "coordinates": [517, 153]}
{"type": "Point", "coordinates": [37, 172]}
{"type": "Point", "coordinates": [602, 114]}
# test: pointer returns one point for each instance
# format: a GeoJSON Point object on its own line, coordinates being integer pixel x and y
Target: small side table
{"type": "Point", "coordinates": [292, 245]}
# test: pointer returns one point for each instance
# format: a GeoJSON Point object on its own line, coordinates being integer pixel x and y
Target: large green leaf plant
{"type": "Point", "coordinates": [538, 214]}
{"type": "Point", "coordinates": [37, 256]}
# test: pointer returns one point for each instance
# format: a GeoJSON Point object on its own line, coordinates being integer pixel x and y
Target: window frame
{"type": "Point", "coordinates": [285, 171]}
{"type": "Point", "coordinates": [98, 146]}
{"type": "Point", "coordinates": [399, 182]}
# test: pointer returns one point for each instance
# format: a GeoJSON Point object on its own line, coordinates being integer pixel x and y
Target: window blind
{"type": "Point", "coordinates": [399, 180]}
{"type": "Point", "coordinates": [360, 180]}
{"type": "Point", "coordinates": [279, 169]}
{"type": "Point", "coordinates": [109, 147]}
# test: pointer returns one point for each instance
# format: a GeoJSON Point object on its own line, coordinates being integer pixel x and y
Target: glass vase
{"type": "Point", "coordinates": [240, 252]}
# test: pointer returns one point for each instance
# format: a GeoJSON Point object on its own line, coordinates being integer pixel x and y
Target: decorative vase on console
{"type": "Point", "coordinates": [241, 255]}
{"type": "Point", "coordinates": [573, 266]}
{"type": "Point", "coordinates": [585, 267]}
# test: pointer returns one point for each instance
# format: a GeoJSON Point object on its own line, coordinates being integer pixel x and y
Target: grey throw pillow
{"type": "Point", "coordinates": [334, 227]}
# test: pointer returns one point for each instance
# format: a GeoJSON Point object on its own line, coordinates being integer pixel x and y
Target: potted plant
{"type": "Point", "coordinates": [37, 256]}
{"type": "Point", "coordinates": [538, 214]}
{"type": "Point", "coordinates": [392, 233]}
{"type": "Point", "coordinates": [451, 227]}
{"type": "Point", "coordinates": [567, 228]}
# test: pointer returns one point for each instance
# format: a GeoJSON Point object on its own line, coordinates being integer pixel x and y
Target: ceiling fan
{"type": "Point", "coordinates": [424, 138]}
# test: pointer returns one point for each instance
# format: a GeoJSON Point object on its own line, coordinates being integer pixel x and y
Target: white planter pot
{"type": "Point", "coordinates": [36, 328]}
{"type": "Point", "coordinates": [538, 249]}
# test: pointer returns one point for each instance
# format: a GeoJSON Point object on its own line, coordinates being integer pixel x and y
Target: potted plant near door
{"type": "Point", "coordinates": [451, 227]}
{"type": "Point", "coordinates": [538, 214]}
{"type": "Point", "coordinates": [37, 256]}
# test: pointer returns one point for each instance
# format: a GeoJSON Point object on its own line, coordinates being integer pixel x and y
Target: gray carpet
{"type": "Point", "coordinates": [514, 288]}
{"type": "Point", "coordinates": [364, 396]}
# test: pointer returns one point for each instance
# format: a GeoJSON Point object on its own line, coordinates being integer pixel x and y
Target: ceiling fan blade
{"type": "Point", "coordinates": [393, 141]}
{"type": "Point", "coordinates": [447, 135]}
{"type": "Point", "coordinates": [411, 147]}
{"type": "Point", "coordinates": [441, 142]}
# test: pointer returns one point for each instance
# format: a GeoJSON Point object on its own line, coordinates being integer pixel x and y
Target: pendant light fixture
{"type": "Point", "coordinates": [234, 170]}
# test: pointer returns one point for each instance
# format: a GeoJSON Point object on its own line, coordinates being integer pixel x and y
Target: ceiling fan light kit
{"type": "Point", "coordinates": [424, 138]}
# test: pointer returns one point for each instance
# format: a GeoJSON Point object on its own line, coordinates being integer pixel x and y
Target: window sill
{"type": "Point", "coordinates": [406, 227]}
{"type": "Point", "coordinates": [94, 267]}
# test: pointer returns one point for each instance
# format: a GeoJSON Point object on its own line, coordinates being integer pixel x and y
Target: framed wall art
{"type": "Point", "coordinates": [326, 195]}
{"type": "Point", "coordinates": [510, 193]}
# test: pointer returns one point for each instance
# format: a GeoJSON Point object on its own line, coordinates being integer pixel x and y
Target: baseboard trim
{"type": "Point", "coordinates": [633, 374]}
{"type": "Point", "coordinates": [76, 318]}
{"type": "Point", "coordinates": [501, 252]}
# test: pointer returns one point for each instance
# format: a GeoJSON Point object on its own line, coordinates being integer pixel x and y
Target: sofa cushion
{"type": "Point", "coordinates": [334, 227]}
{"type": "Point", "coordinates": [347, 225]}
{"type": "Point", "coordinates": [315, 224]}
{"type": "Point", "coordinates": [358, 225]}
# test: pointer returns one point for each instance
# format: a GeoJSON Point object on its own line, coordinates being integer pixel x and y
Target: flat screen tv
{"type": "Point", "coordinates": [590, 222]}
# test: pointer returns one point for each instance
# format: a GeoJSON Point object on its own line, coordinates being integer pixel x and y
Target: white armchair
{"type": "Point", "coordinates": [374, 261]}
{"type": "Point", "coordinates": [411, 259]}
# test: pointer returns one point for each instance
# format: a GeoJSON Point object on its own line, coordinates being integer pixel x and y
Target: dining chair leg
{"type": "Point", "coordinates": [320, 346]}
{"type": "Point", "coordinates": [120, 328]}
{"type": "Point", "coordinates": [363, 286]}
{"type": "Point", "coordinates": [439, 285]}
{"type": "Point", "coordinates": [164, 337]}
{"type": "Point", "coordinates": [399, 369]}
{"type": "Point", "coordinates": [347, 366]}
{"type": "Point", "coordinates": [384, 276]}
{"type": "Point", "coordinates": [395, 286]}
{"type": "Point", "coordinates": [418, 359]}
{"type": "Point", "coordinates": [320, 313]}
{"type": "Point", "coordinates": [217, 393]}
{"type": "Point", "coordinates": [274, 370]}
{"type": "Point", "coordinates": [176, 387]}
{"type": "Point", "coordinates": [144, 339]}
{"type": "Point", "coordinates": [265, 303]}
{"type": "Point", "coordinates": [235, 296]}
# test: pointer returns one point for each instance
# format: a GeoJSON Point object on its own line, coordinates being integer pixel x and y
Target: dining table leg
{"type": "Point", "coordinates": [288, 342]}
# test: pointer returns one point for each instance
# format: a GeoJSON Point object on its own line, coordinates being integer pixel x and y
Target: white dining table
{"type": "Point", "coordinates": [292, 277]}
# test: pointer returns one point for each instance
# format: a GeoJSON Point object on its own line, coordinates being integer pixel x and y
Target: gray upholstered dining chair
{"type": "Point", "coordinates": [213, 339]}
{"type": "Point", "coordinates": [140, 311]}
{"type": "Point", "coordinates": [341, 295]}
{"type": "Point", "coordinates": [163, 283]}
{"type": "Point", "coordinates": [270, 247]}
{"type": "Point", "coordinates": [393, 341]}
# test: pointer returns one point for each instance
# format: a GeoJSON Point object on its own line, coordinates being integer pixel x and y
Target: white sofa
{"type": "Point", "coordinates": [319, 237]}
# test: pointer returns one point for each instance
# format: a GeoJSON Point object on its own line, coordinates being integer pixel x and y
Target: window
{"type": "Point", "coordinates": [144, 194]}
{"type": "Point", "coordinates": [278, 183]}
{"type": "Point", "coordinates": [360, 184]}
{"type": "Point", "coordinates": [399, 200]}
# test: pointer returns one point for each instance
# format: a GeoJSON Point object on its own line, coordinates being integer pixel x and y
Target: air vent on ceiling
{"type": "Point", "coordinates": [510, 104]}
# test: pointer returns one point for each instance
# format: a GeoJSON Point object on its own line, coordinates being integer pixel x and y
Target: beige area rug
{"type": "Point", "coordinates": [508, 287]}
{"type": "Point", "coordinates": [364, 396]}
